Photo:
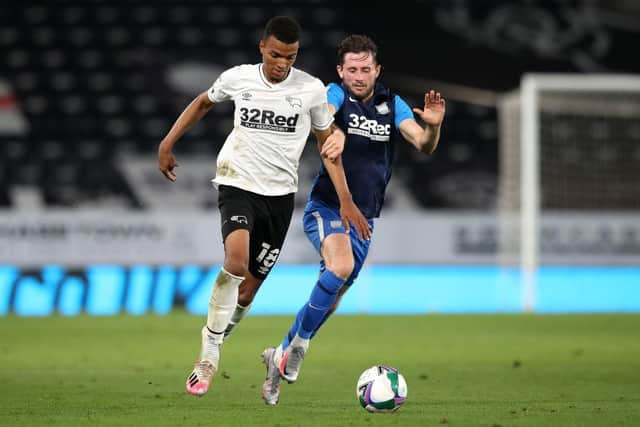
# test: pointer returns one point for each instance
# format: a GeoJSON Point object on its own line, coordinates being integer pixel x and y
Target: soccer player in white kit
{"type": "Point", "coordinates": [276, 106]}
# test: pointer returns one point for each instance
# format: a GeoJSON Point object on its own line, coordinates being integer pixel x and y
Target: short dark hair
{"type": "Point", "coordinates": [283, 28]}
{"type": "Point", "coordinates": [357, 43]}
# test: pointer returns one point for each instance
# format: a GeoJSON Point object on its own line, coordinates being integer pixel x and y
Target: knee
{"type": "Point", "coordinates": [342, 267]}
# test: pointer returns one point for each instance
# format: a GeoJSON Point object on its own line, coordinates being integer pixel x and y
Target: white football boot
{"type": "Point", "coordinates": [205, 368]}
{"type": "Point", "coordinates": [271, 386]}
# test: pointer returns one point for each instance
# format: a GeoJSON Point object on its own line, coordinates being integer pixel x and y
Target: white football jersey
{"type": "Point", "coordinates": [271, 125]}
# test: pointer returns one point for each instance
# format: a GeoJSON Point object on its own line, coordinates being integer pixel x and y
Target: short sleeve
{"type": "Point", "coordinates": [321, 117]}
{"type": "Point", "coordinates": [335, 95]}
{"type": "Point", "coordinates": [403, 111]}
{"type": "Point", "coordinates": [219, 91]}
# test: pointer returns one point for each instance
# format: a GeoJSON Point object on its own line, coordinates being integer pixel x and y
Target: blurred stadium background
{"type": "Point", "coordinates": [88, 89]}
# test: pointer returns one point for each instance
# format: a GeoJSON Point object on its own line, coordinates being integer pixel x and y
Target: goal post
{"type": "Point", "coordinates": [569, 147]}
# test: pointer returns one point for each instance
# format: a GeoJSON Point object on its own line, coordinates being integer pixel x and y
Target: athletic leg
{"type": "Point", "coordinates": [360, 249]}
{"type": "Point", "coordinates": [272, 217]}
{"type": "Point", "coordinates": [332, 310]}
{"type": "Point", "coordinates": [324, 229]}
{"type": "Point", "coordinates": [237, 219]}
{"type": "Point", "coordinates": [338, 259]}
{"type": "Point", "coordinates": [246, 294]}
{"type": "Point", "coordinates": [224, 296]}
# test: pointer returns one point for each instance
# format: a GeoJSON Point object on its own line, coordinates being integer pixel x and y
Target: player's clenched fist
{"type": "Point", "coordinates": [333, 145]}
{"type": "Point", "coordinates": [167, 162]}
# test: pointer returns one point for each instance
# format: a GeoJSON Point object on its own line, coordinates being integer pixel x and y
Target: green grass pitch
{"type": "Point", "coordinates": [462, 370]}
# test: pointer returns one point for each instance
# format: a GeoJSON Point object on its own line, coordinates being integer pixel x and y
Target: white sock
{"type": "Point", "coordinates": [224, 297]}
{"type": "Point", "coordinates": [300, 342]}
{"type": "Point", "coordinates": [236, 317]}
{"type": "Point", "coordinates": [210, 349]}
{"type": "Point", "coordinates": [277, 356]}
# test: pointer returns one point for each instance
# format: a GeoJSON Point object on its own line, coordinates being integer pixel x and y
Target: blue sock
{"type": "Point", "coordinates": [322, 297]}
{"type": "Point", "coordinates": [324, 319]}
{"type": "Point", "coordinates": [296, 324]}
{"type": "Point", "coordinates": [294, 328]}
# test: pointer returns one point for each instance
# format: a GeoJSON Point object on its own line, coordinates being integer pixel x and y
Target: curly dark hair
{"type": "Point", "coordinates": [284, 28]}
{"type": "Point", "coordinates": [357, 43]}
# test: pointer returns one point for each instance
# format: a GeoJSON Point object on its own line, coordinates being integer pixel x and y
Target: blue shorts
{"type": "Point", "coordinates": [320, 221]}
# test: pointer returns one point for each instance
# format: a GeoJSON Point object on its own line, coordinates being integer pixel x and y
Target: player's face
{"type": "Point", "coordinates": [359, 72]}
{"type": "Point", "coordinates": [277, 58]}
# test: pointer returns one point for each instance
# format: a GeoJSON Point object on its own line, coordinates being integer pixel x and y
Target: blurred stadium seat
{"type": "Point", "coordinates": [91, 80]}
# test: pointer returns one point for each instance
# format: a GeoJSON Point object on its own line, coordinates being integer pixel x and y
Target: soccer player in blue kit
{"type": "Point", "coordinates": [373, 119]}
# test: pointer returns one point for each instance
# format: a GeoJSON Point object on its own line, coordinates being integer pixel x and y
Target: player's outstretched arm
{"type": "Point", "coordinates": [349, 212]}
{"type": "Point", "coordinates": [190, 116]}
{"type": "Point", "coordinates": [432, 114]}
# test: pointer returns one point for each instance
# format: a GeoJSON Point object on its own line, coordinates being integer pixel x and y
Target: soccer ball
{"type": "Point", "coordinates": [381, 388]}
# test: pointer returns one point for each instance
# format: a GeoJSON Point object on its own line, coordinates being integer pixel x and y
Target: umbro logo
{"type": "Point", "coordinates": [246, 96]}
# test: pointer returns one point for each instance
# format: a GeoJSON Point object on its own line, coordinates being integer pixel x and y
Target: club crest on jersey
{"type": "Point", "coordinates": [293, 101]}
{"type": "Point", "coordinates": [240, 219]}
{"type": "Point", "coordinates": [382, 108]}
{"type": "Point", "coordinates": [335, 224]}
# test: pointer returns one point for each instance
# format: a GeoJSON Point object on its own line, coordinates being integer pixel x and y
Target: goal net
{"type": "Point", "coordinates": [569, 183]}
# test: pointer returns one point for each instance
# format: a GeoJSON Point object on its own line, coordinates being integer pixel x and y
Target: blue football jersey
{"type": "Point", "coordinates": [371, 129]}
